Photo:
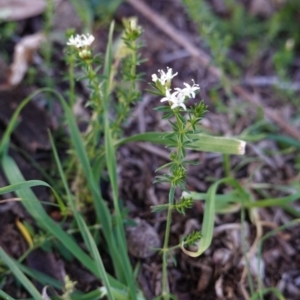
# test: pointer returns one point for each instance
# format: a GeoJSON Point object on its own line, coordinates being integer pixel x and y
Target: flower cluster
{"type": "Point", "coordinates": [177, 98]}
{"type": "Point", "coordinates": [164, 77]}
{"type": "Point", "coordinates": [80, 41]}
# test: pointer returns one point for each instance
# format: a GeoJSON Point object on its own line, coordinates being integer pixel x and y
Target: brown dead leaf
{"type": "Point", "coordinates": [263, 8]}
{"type": "Point", "coordinates": [15, 10]}
{"type": "Point", "coordinates": [23, 53]}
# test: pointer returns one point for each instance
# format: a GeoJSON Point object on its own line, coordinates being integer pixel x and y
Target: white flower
{"type": "Point", "coordinates": [73, 41]}
{"type": "Point", "coordinates": [175, 98]}
{"type": "Point", "coordinates": [179, 101]}
{"type": "Point", "coordinates": [164, 77]}
{"type": "Point", "coordinates": [154, 77]}
{"type": "Point", "coordinates": [169, 97]}
{"type": "Point", "coordinates": [80, 41]}
{"type": "Point", "coordinates": [87, 39]}
{"type": "Point", "coordinates": [188, 91]}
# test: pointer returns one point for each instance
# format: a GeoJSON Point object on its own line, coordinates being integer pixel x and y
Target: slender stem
{"type": "Point", "coordinates": [226, 165]}
{"type": "Point", "coordinates": [181, 132]}
{"type": "Point", "coordinates": [71, 63]}
{"type": "Point", "coordinates": [133, 86]}
{"type": "Point", "coordinates": [48, 48]}
{"type": "Point", "coordinates": [94, 129]}
{"type": "Point", "coordinates": [165, 285]}
{"type": "Point", "coordinates": [166, 250]}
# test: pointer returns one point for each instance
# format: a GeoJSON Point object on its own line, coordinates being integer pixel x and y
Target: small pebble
{"type": "Point", "coordinates": [142, 239]}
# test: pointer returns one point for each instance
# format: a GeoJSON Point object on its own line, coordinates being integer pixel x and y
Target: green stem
{"type": "Point", "coordinates": [165, 285]}
{"type": "Point", "coordinates": [47, 49]}
{"type": "Point", "coordinates": [226, 165]}
{"type": "Point", "coordinates": [92, 76]}
{"type": "Point", "coordinates": [181, 132]}
{"type": "Point", "coordinates": [133, 87]}
{"type": "Point", "coordinates": [71, 63]}
{"type": "Point", "coordinates": [133, 65]}
{"type": "Point", "coordinates": [94, 129]}
{"type": "Point", "coordinates": [166, 250]}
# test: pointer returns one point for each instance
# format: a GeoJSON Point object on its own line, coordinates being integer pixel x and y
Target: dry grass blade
{"type": "Point", "coordinates": [15, 10]}
{"type": "Point", "coordinates": [23, 54]}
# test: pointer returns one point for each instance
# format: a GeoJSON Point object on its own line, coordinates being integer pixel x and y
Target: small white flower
{"type": "Point", "coordinates": [87, 39]}
{"type": "Point", "coordinates": [167, 77]}
{"type": "Point", "coordinates": [188, 91]}
{"type": "Point", "coordinates": [164, 77]}
{"type": "Point", "coordinates": [80, 41]}
{"type": "Point", "coordinates": [169, 97]}
{"type": "Point", "coordinates": [242, 146]}
{"type": "Point", "coordinates": [133, 23]}
{"type": "Point", "coordinates": [73, 41]}
{"type": "Point", "coordinates": [175, 98]}
{"type": "Point", "coordinates": [154, 77]}
{"type": "Point", "coordinates": [180, 102]}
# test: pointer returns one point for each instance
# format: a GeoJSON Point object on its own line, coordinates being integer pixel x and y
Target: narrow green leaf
{"type": "Point", "coordinates": [31, 183]}
{"type": "Point", "coordinates": [282, 201]}
{"type": "Point", "coordinates": [12, 123]}
{"type": "Point", "coordinates": [40, 277]}
{"type": "Point", "coordinates": [209, 214]}
{"type": "Point", "coordinates": [34, 207]}
{"type": "Point", "coordinates": [264, 291]}
{"type": "Point", "coordinates": [22, 185]}
{"type": "Point", "coordinates": [5, 296]}
{"type": "Point", "coordinates": [95, 254]}
{"type": "Point", "coordinates": [87, 237]}
{"type": "Point", "coordinates": [289, 141]}
{"type": "Point", "coordinates": [164, 166]}
{"type": "Point", "coordinates": [235, 197]}
{"type": "Point", "coordinates": [20, 276]}
{"type": "Point", "coordinates": [200, 142]}
{"type": "Point", "coordinates": [110, 155]}
{"type": "Point", "coordinates": [217, 144]}
{"type": "Point", "coordinates": [159, 208]}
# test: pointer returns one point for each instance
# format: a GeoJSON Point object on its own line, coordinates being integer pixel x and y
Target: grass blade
{"type": "Point", "coordinates": [5, 296]}
{"type": "Point", "coordinates": [112, 171]}
{"type": "Point", "coordinates": [233, 197]}
{"type": "Point", "coordinates": [202, 142]}
{"type": "Point", "coordinates": [217, 144]}
{"type": "Point", "coordinates": [13, 121]}
{"type": "Point", "coordinates": [20, 275]}
{"type": "Point", "coordinates": [95, 254]}
{"type": "Point", "coordinates": [87, 237]}
{"type": "Point", "coordinates": [32, 183]}
{"type": "Point", "coordinates": [34, 207]}
{"type": "Point", "coordinates": [40, 277]}
{"type": "Point", "coordinates": [209, 215]}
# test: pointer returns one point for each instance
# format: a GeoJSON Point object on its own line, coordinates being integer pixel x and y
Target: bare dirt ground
{"type": "Point", "coordinates": [221, 273]}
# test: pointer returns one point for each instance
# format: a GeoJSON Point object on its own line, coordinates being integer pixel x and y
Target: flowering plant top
{"type": "Point", "coordinates": [176, 98]}
{"type": "Point", "coordinates": [80, 41]}
{"type": "Point", "coordinates": [82, 44]}
{"type": "Point", "coordinates": [164, 77]}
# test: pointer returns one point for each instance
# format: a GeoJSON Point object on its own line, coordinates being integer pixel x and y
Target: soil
{"type": "Point", "coordinates": [221, 272]}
